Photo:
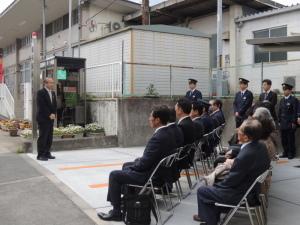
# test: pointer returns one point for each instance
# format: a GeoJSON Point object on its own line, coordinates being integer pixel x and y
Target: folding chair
{"type": "Point", "coordinates": [153, 185]}
{"type": "Point", "coordinates": [235, 208]}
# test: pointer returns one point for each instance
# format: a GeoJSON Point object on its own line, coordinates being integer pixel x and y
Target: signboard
{"type": "Point", "coordinates": [61, 74]}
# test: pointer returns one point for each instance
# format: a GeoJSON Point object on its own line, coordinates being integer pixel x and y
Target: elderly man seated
{"type": "Point", "coordinates": [252, 161]}
{"type": "Point", "coordinates": [161, 144]}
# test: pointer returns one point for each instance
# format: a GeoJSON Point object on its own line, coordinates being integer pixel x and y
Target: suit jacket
{"type": "Point", "coordinates": [199, 128]}
{"type": "Point", "coordinates": [251, 162]}
{"type": "Point", "coordinates": [272, 98]}
{"type": "Point", "coordinates": [208, 123]}
{"type": "Point", "coordinates": [177, 134]}
{"type": "Point", "coordinates": [218, 118]}
{"type": "Point", "coordinates": [193, 96]}
{"type": "Point", "coordinates": [188, 129]}
{"type": "Point", "coordinates": [160, 145]}
{"type": "Point", "coordinates": [44, 106]}
{"type": "Point", "coordinates": [243, 103]}
{"type": "Point", "coordinates": [288, 112]}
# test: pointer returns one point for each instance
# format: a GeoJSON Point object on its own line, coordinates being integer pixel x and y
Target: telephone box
{"type": "Point", "coordinates": [69, 76]}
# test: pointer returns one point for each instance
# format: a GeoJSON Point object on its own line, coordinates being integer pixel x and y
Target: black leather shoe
{"type": "Point", "coordinates": [110, 216]}
{"type": "Point", "coordinates": [42, 158]}
{"type": "Point", "coordinates": [291, 157]}
{"type": "Point", "coordinates": [51, 157]}
{"type": "Point", "coordinates": [283, 156]}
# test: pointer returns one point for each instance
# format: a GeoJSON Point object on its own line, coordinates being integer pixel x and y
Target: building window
{"type": "Point", "coordinates": [58, 25]}
{"type": "Point", "coordinates": [269, 56]}
{"type": "Point", "coordinates": [9, 50]}
{"type": "Point", "coordinates": [26, 41]}
{"type": "Point", "coordinates": [74, 17]}
{"type": "Point", "coordinates": [49, 29]}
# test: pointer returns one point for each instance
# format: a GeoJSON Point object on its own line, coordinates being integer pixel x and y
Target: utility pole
{"type": "Point", "coordinates": [219, 81]}
{"type": "Point", "coordinates": [70, 30]}
{"type": "Point", "coordinates": [145, 12]}
{"type": "Point", "coordinates": [44, 31]}
{"type": "Point", "coordinates": [35, 79]}
{"type": "Point", "coordinates": [79, 26]}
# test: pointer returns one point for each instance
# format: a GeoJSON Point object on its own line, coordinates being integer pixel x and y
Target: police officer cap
{"type": "Point", "coordinates": [243, 80]}
{"type": "Point", "coordinates": [287, 86]}
{"type": "Point", "coordinates": [193, 81]}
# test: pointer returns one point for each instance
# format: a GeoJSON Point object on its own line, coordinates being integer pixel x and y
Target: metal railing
{"type": "Point", "coordinates": [7, 103]}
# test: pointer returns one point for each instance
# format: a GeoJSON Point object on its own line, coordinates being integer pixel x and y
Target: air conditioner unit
{"type": "Point", "coordinates": [113, 26]}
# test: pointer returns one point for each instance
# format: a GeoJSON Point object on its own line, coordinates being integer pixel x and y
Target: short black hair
{"type": "Point", "coordinates": [172, 117]}
{"type": "Point", "coordinates": [198, 107]}
{"type": "Point", "coordinates": [218, 103]}
{"type": "Point", "coordinates": [252, 128]}
{"type": "Point", "coordinates": [268, 81]}
{"type": "Point", "coordinates": [185, 104]}
{"type": "Point", "coordinates": [161, 112]}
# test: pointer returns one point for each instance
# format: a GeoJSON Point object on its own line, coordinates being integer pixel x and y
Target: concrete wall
{"type": "Point", "coordinates": [105, 112]}
{"type": "Point", "coordinates": [132, 119]}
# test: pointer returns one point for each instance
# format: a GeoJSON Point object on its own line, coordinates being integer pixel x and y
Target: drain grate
{"type": "Point", "coordinates": [297, 166]}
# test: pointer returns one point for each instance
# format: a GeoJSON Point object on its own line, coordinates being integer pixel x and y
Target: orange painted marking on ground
{"type": "Point", "coordinates": [90, 166]}
{"type": "Point", "coordinates": [94, 186]}
{"type": "Point", "coordinates": [282, 161]}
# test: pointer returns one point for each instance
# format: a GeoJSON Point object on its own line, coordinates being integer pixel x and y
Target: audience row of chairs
{"type": "Point", "coordinates": [186, 159]}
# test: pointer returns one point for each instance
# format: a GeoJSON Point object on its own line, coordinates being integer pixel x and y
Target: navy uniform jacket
{"type": "Point", "coordinates": [288, 112]}
{"type": "Point", "coordinates": [44, 106]}
{"type": "Point", "coordinates": [177, 134]}
{"type": "Point", "coordinates": [272, 98]}
{"type": "Point", "coordinates": [160, 145]}
{"type": "Point", "coordinates": [194, 96]}
{"type": "Point", "coordinates": [188, 129]}
{"type": "Point", "coordinates": [242, 103]}
{"type": "Point", "coordinates": [251, 162]}
{"type": "Point", "coordinates": [208, 123]}
{"type": "Point", "coordinates": [218, 118]}
{"type": "Point", "coordinates": [199, 128]}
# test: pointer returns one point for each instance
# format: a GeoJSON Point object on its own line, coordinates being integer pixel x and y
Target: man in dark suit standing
{"type": "Point", "coordinates": [287, 118]}
{"type": "Point", "coordinates": [242, 102]}
{"type": "Point", "coordinates": [161, 145]}
{"type": "Point", "coordinates": [183, 109]}
{"type": "Point", "coordinates": [251, 162]}
{"type": "Point", "coordinates": [269, 95]}
{"type": "Point", "coordinates": [46, 113]}
{"type": "Point", "coordinates": [193, 94]}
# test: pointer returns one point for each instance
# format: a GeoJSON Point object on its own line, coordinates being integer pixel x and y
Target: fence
{"type": "Point", "coordinates": [119, 79]}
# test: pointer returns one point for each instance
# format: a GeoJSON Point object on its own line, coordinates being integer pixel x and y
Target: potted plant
{"type": "Point", "coordinates": [13, 130]}
{"type": "Point", "coordinates": [151, 92]}
{"type": "Point", "coordinates": [26, 133]}
{"type": "Point", "coordinates": [93, 129]}
{"type": "Point", "coordinates": [75, 130]}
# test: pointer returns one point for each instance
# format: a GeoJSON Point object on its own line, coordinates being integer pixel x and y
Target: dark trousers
{"type": "Point", "coordinates": [117, 179]}
{"type": "Point", "coordinates": [45, 138]}
{"type": "Point", "coordinates": [288, 142]}
{"type": "Point", "coordinates": [238, 121]}
{"type": "Point", "coordinates": [207, 211]}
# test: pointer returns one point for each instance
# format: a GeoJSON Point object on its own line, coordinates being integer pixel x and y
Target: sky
{"type": "Point", "coordinates": [5, 3]}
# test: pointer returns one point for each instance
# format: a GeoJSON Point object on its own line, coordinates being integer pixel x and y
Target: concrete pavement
{"type": "Point", "coordinates": [28, 196]}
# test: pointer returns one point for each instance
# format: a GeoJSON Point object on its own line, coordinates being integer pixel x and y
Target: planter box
{"type": "Point", "coordinates": [67, 136]}
{"type": "Point", "coordinates": [13, 133]}
{"type": "Point", "coordinates": [102, 134]}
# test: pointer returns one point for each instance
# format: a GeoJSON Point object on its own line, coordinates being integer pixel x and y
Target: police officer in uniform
{"type": "Point", "coordinates": [242, 102]}
{"type": "Point", "coordinates": [193, 94]}
{"type": "Point", "coordinates": [287, 117]}
{"type": "Point", "coordinates": [269, 95]}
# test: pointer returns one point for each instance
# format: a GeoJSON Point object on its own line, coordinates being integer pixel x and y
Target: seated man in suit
{"type": "Point", "coordinates": [197, 110]}
{"type": "Point", "coordinates": [183, 109]}
{"type": "Point", "coordinates": [174, 129]}
{"type": "Point", "coordinates": [205, 118]}
{"type": "Point", "coordinates": [160, 145]}
{"type": "Point", "coordinates": [217, 113]}
{"type": "Point", "coordinates": [251, 162]}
